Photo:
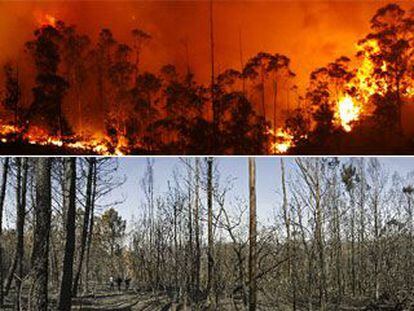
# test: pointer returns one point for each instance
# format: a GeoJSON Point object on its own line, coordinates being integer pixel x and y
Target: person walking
{"type": "Point", "coordinates": [119, 282]}
{"type": "Point", "coordinates": [111, 283]}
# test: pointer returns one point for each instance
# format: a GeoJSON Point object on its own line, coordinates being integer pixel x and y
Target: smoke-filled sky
{"type": "Point", "coordinates": [311, 33]}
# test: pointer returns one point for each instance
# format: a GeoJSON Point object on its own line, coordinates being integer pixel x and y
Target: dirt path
{"type": "Point", "coordinates": [131, 301]}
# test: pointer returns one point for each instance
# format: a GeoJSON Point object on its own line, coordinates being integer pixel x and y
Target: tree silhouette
{"type": "Point", "coordinates": [75, 48]}
{"type": "Point", "coordinates": [327, 84]}
{"type": "Point", "coordinates": [50, 87]}
{"type": "Point", "coordinates": [12, 96]}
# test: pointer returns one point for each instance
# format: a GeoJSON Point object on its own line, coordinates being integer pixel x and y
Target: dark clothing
{"type": "Point", "coordinates": [119, 282]}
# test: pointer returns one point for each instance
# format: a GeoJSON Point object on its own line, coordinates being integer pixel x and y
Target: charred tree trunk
{"type": "Point", "coordinates": [190, 248]}
{"type": "Point", "coordinates": [2, 197]}
{"type": "Point", "coordinates": [320, 241]}
{"type": "Point", "coordinates": [38, 298]}
{"type": "Point", "coordinates": [252, 236]}
{"type": "Point", "coordinates": [361, 230]}
{"type": "Point", "coordinates": [69, 198]}
{"type": "Point", "coordinates": [287, 220]}
{"type": "Point", "coordinates": [210, 263]}
{"type": "Point", "coordinates": [90, 233]}
{"type": "Point", "coordinates": [21, 215]}
{"type": "Point", "coordinates": [197, 230]}
{"type": "Point", "coordinates": [91, 163]}
{"type": "Point", "coordinates": [20, 219]}
{"type": "Point", "coordinates": [18, 164]}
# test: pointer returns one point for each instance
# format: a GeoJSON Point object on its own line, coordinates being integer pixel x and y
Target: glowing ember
{"type": "Point", "coordinates": [46, 20]}
{"type": "Point", "coordinates": [347, 112]}
{"type": "Point", "coordinates": [283, 141]}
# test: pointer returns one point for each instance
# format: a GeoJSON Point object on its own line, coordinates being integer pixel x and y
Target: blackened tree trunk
{"type": "Point", "coordinates": [210, 264]}
{"type": "Point", "coordinates": [2, 196]}
{"type": "Point", "coordinates": [18, 164]}
{"type": "Point", "coordinates": [85, 228]}
{"type": "Point", "coordinates": [16, 269]}
{"type": "Point", "coordinates": [197, 229]}
{"type": "Point", "coordinates": [69, 201]}
{"type": "Point", "coordinates": [190, 248]}
{"type": "Point", "coordinates": [252, 236]}
{"type": "Point", "coordinates": [38, 298]}
{"type": "Point", "coordinates": [91, 225]}
{"type": "Point", "coordinates": [21, 217]}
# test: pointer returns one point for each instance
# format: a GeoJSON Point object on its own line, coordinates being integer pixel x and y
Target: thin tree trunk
{"type": "Point", "coordinates": [274, 106]}
{"type": "Point", "coordinates": [286, 218]}
{"type": "Point", "coordinates": [319, 240]}
{"type": "Point", "coordinates": [190, 249]}
{"type": "Point", "coordinates": [91, 225]}
{"type": "Point", "coordinates": [21, 211]}
{"type": "Point", "coordinates": [69, 200]}
{"type": "Point", "coordinates": [38, 296]}
{"type": "Point", "coordinates": [262, 83]}
{"type": "Point", "coordinates": [86, 216]}
{"type": "Point", "coordinates": [361, 235]}
{"type": "Point", "coordinates": [353, 263]}
{"type": "Point", "coordinates": [252, 236]}
{"type": "Point", "coordinates": [197, 254]}
{"type": "Point", "coordinates": [21, 215]}
{"type": "Point", "coordinates": [210, 275]}
{"type": "Point", "coordinates": [213, 97]}
{"type": "Point", "coordinates": [2, 197]}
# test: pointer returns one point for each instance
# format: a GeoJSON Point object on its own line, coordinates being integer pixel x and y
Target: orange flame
{"type": "Point", "coordinates": [37, 136]}
{"type": "Point", "coordinates": [45, 20]}
{"type": "Point", "coordinates": [283, 141]}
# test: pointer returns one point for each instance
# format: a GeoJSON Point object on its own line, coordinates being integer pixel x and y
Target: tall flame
{"type": "Point", "coordinates": [347, 112]}
{"type": "Point", "coordinates": [366, 83]}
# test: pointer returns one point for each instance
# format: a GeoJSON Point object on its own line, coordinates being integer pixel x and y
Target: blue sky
{"type": "Point", "coordinates": [268, 179]}
{"type": "Point", "coordinates": [234, 168]}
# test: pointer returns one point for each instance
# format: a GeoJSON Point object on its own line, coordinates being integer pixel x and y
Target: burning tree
{"type": "Point", "coordinates": [50, 86]}
{"type": "Point", "coordinates": [388, 49]}
{"type": "Point", "coordinates": [327, 88]}
{"type": "Point", "coordinates": [373, 91]}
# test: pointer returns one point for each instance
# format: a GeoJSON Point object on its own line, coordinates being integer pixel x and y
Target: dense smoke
{"type": "Point", "coordinates": [311, 33]}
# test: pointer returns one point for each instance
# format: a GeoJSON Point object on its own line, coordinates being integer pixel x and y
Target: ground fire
{"type": "Point", "coordinates": [95, 95]}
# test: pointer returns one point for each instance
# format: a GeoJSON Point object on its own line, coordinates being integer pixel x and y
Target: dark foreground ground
{"type": "Point", "coordinates": [133, 300]}
{"type": "Point", "coordinates": [113, 301]}
{"type": "Point", "coordinates": [354, 143]}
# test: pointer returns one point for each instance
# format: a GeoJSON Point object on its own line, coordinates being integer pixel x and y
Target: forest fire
{"type": "Point", "coordinates": [92, 92]}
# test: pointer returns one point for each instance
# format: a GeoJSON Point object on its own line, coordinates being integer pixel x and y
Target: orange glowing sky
{"type": "Point", "coordinates": [311, 33]}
